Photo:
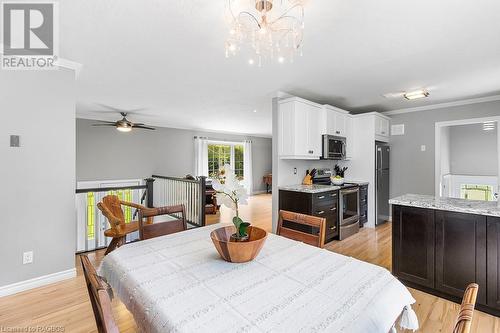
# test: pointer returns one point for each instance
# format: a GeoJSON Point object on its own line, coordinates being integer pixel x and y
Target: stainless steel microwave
{"type": "Point", "coordinates": [334, 147]}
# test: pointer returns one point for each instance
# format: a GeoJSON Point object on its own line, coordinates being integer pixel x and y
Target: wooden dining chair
{"type": "Point", "coordinates": [99, 294]}
{"type": "Point", "coordinates": [464, 318]}
{"type": "Point", "coordinates": [305, 220]}
{"type": "Point", "coordinates": [111, 208]}
{"type": "Point", "coordinates": [156, 229]}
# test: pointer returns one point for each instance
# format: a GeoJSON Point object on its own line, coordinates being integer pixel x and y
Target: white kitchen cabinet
{"type": "Point", "coordinates": [381, 126]}
{"type": "Point", "coordinates": [349, 134]}
{"type": "Point", "coordinates": [334, 121]}
{"type": "Point", "coordinates": [340, 119]}
{"type": "Point", "coordinates": [299, 129]}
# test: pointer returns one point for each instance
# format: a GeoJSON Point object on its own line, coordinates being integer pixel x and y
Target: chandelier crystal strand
{"type": "Point", "coordinates": [269, 30]}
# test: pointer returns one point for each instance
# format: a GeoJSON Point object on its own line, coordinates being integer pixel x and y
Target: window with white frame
{"type": "Point", "coordinates": [220, 153]}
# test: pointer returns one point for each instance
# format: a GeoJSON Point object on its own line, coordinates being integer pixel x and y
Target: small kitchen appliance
{"type": "Point", "coordinates": [334, 147]}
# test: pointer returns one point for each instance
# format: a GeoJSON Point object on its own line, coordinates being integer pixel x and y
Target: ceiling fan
{"type": "Point", "coordinates": [124, 125]}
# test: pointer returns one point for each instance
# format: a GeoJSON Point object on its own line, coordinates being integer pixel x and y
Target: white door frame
{"type": "Point", "coordinates": [437, 146]}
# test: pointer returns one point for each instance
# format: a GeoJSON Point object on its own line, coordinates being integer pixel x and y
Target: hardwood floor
{"type": "Point", "coordinates": [66, 304]}
{"type": "Point", "coordinates": [258, 212]}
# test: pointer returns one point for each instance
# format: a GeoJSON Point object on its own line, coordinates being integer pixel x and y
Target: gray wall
{"type": "Point", "coordinates": [412, 171]}
{"type": "Point", "coordinates": [37, 199]}
{"type": "Point", "coordinates": [106, 154]}
{"type": "Point", "coordinates": [473, 151]}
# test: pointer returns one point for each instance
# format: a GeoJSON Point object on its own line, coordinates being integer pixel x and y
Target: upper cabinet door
{"type": "Point", "coordinates": [330, 122]}
{"type": "Point", "coordinates": [349, 134]}
{"type": "Point", "coordinates": [339, 124]}
{"type": "Point", "coordinates": [381, 126]}
{"type": "Point", "coordinates": [313, 131]}
{"type": "Point", "coordinates": [299, 130]}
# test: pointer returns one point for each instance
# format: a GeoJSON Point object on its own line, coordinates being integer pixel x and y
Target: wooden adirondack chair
{"type": "Point", "coordinates": [111, 207]}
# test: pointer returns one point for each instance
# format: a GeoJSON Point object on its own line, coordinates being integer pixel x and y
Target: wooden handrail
{"type": "Point", "coordinates": [106, 189]}
{"type": "Point", "coordinates": [177, 179]}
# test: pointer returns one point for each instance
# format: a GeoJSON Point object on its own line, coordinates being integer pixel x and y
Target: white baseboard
{"type": "Point", "coordinates": [36, 282]}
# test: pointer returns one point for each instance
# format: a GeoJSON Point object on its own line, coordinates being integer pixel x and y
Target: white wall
{"type": "Point", "coordinates": [412, 170]}
{"type": "Point", "coordinates": [103, 153]}
{"type": "Point", "coordinates": [37, 199]}
{"type": "Point", "coordinates": [473, 151]}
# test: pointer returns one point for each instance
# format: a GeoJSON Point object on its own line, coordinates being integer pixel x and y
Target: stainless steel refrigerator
{"type": "Point", "coordinates": [382, 213]}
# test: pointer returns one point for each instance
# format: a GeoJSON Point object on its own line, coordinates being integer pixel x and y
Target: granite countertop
{"type": "Point", "coordinates": [489, 208]}
{"type": "Point", "coordinates": [309, 188]}
{"type": "Point", "coordinates": [359, 182]}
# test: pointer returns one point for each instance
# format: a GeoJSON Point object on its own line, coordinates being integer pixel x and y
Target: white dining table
{"type": "Point", "coordinates": [178, 283]}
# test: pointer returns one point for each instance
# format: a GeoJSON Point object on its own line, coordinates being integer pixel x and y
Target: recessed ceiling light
{"type": "Point", "coordinates": [416, 94]}
{"type": "Point", "coordinates": [489, 125]}
{"type": "Point", "coordinates": [254, 111]}
{"type": "Point", "coordinates": [251, 61]}
{"type": "Point", "coordinates": [281, 60]}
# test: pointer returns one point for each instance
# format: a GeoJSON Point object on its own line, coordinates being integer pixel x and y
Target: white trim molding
{"type": "Point", "coordinates": [444, 105]}
{"type": "Point", "coordinates": [40, 281]}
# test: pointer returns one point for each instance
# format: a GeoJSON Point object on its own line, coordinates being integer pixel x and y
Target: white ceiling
{"type": "Point", "coordinates": [168, 56]}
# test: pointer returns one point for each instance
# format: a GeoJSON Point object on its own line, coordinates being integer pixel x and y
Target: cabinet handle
{"type": "Point", "coordinates": [333, 228]}
{"type": "Point", "coordinates": [333, 195]}
{"type": "Point", "coordinates": [311, 152]}
{"type": "Point", "coordinates": [383, 132]}
{"type": "Point", "coordinates": [333, 209]}
{"type": "Point", "coordinates": [321, 197]}
{"type": "Point", "coordinates": [321, 212]}
{"type": "Point", "coordinates": [337, 132]}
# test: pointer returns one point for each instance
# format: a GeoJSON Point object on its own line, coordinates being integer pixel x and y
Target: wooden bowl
{"type": "Point", "coordinates": [238, 252]}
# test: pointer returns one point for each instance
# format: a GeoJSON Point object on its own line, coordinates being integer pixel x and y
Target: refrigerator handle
{"type": "Point", "coordinates": [378, 159]}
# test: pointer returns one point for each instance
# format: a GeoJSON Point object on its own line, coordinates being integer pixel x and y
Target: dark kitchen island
{"type": "Point", "coordinates": [440, 245]}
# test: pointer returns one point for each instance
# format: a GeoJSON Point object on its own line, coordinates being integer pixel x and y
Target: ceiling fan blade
{"type": "Point", "coordinates": [110, 124]}
{"type": "Point", "coordinates": [106, 122]}
{"type": "Point", "coordinates": [144, 127]}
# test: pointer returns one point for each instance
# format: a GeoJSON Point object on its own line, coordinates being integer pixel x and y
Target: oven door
{"type": "Point", "coordinates": [333, 148]}
{"type": "Point", "coordinates": [349, 209]}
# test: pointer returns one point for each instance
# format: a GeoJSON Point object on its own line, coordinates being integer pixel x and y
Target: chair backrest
{"type": "Point", "coordinates": [99, 298]}
{"type": "Point", "coordinates": [306, 220]}
{"type": "Point", "coordinates": [464, 318]}
{"type": "Point", "coordinates": [111, 208]}
{"type": "Point", "coordinates": [157, 229]}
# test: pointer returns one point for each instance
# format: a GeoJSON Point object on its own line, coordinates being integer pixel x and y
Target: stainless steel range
{"type": "Point", "coordinates": [348, 210]}
{"type": "Point", "coordinates": [348, 203]}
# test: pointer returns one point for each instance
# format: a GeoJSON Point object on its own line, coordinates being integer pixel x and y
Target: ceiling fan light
{"type": "Point", "coordinates": [122, 128]}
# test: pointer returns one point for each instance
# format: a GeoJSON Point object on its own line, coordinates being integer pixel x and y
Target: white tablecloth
{"type": "Point", "coordinates": [178, 283]}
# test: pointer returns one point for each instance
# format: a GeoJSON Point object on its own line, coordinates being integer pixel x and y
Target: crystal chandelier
{"type": "Point", "coordinates": [269, 29]}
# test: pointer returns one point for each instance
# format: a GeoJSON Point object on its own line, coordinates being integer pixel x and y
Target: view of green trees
{"type": "Point", "coordinates": [220, 154]}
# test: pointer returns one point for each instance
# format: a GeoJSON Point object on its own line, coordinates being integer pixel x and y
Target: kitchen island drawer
{"type": "Point", "coordinates": [324, 198]}
{"type": "Point", "coordinates": [325, 210]}
{"type": "Point", "coordinates": [363, 216]}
